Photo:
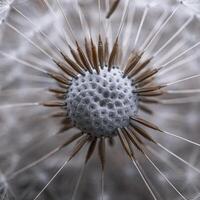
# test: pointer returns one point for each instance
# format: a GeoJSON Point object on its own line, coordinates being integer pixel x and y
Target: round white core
{"type": "Point", "coordinates": [99, 104]}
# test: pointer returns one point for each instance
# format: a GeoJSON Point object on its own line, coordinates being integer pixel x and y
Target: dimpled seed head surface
{"type": "Point", "coordinates": [99, 104]}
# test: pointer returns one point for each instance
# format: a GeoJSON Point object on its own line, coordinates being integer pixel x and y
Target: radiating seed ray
{"type": "Point", "coordinates": [146, 82]}
{"type": "Point", "coordinates": [113, 54]}
{"type": "Point", "coordinates": [66, 20]}
{"type": "Point", "coordinates": [183, 80]}
{"type": "Point", "coordinates": [125, 145]}
{"type": "Point", "coordinates": [133, 60]}
{"type": "Point", "coordinates": [181, 138]}
{"type": "Point", "coordinates": [124, 15]}
{"type": "Point", "coordinates": [143, 133]}
{"type": "Point", "coordinates": [130, 136]}
{"type": "Point", "coordinates": [53, 103]}
{"type": "Point", "coordinates": [67, 126]}
{"type": "Point", "coordinates": [101, 152]}
{"type": "Point", "coordinates": [102, 184]}
{"type": "Point", "coordinates": [54, 176]}
{"type": "Point", "coordinates": [136, 136]}
{"type": "Point", "coordinates": [146, 123]}
{"type": "Point", "coordinates": [176, 48]}
{"type": "Point", "coordinates": [140, 67]}
{"type": "Point", "coordinates": [88, 51]}
{"type": "Point", "coordinates": [155, 28]}
{"type": "Point", "coordinates": [95, 57]}
{"type": "Point", "coordinates": [179, 64]}
{"type": "Point", "coordinates": [59, 78]}
{"type": "Point", "coordinates": [140, 26]}
{"type": "Point", "coordinates": [184, 25]}
{"type": "Point", "coordinates": [28, 39]}
{"type": "Point", "coordinates": [148, 89]}
{"type": "Point", "coordinates": [73, 64]}
{"type": "Point", "coordinates": [57, 90]}
{"type": "Point", "coordinates": [148, 100]}
{"type": "Point", "coordinates": [23, 62]}
{"type": "Point", "coordinates": [54, 15]}
{"type": "Point", "coordinates": [17, 91]}
{"type": "Point", "coordinates": [83, 58]}
{"type": "Point", "coordinates": [189, 91]}
{"type": "Point", "coordinates": [83, 21]}
{"type": "Point", "coordinates": [65, 69]}
{"type": "Point", "coordinates": [46, 156]}
{"type": "Point", "coordinates": [106, 51]}
{"type": "Point", "coordinates": [91, 150]}
{"type": "Point", "coordinates": [181, 54]}
{"type": "Point", "coordinates": [75, 191]}
{"type": "Point", "coordinates": [32, 23]}
{"type": "Point", "coordinates": [151, 94]}
{"type": "Point", "coordinates": [77, 60]}
{"type": "Point", "coordinates": [58, 114]}
{"type": "Point", "coordinates": [112, 8]}
{"type": "Point", "coordinates": [76, 149]}
{"type": "Point", "coordinates": [179, 158]}
{"type": "Point", "coordinates": [161, 27]}
{"type": "Point", "coordinates": [19, 105]}
{"type": "Point", "coordinates": [145, 109]}
{"type": "Point", "coordinates": [128, 32]}
{"type": "Point", "coordinates": [146, 76]}
{"type": "Point", "coordinates": [181, 100]}
{"type": "Point", "coordinates": [165, 177]}
{"type": "Point", "coordinates": [136, 164]}
{"type": "Point", "coordinates": [100, 52]}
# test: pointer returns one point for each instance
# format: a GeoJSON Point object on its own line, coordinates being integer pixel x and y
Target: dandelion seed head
{"type": "Point", "coordinates": [101, 103]}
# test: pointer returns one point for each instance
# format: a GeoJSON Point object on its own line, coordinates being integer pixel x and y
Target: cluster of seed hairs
{"type": "Point", "coordinates": [102, 99]}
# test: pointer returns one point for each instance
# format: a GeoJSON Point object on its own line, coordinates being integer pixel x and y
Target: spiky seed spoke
{"type": "Point", "coordinates": [65, 127]}
{"type": "Point", "coordinates": [113, 54]}
{"type": "Point", "coordinates": [82, 141]}
{"type": "Point", "coordinates": [53, 103]}
{"type": "Point", "coordinates": [142, 132]}
{"type": "Point", "coordinates": [146, 123]}
{"type": "Point", "coordinates": [58, 114]}
{"type": "Point", "coordinates": [106, 51]}
{"type": "Point", "coordinates": [102, 152]}
{"type": "Point", "coordinates": [148, 100]}
{"type": "Point", "coordinates": [100, 52]}
{"type": "Point", "coordinates": [112, 8]}
{"type": "Point", "coordinates": [145, 109]}
{"type": "Point", "coordinates": [19, 105]}
{"type": "Point", "coordinates": [74, 65]}
{"type": "Point", "coordinates": [88, 51]}
{"type": "Point", "coordinates": [133, 60]}
{"type": "Point", "coordinates": [84, 58]}
{"type": "Point", "coordinates": [78, 60]}
{"type": "Point", "coordinates": [151, 94]}
{"type": "Point", "coordinates": [145, 76]}
{"type": "Point", "coordinates": [148, 89]}
{"type": "Point", "coordinates": [140, 67]}
{"type": "Point", "coordinates": [95, 57]}
{"type": "Point", "coordinates": [126, 131]}
{"type": "Point", "coordinates": [91, 150]}
{"type": "Point", "coordinates": [59, 78]}
{"type": "Point", "coordinates": [125, 145]}
{"type": "Point", "coordinates": [66, 69]}
{"type": "Point", "coordinates": [57, 90]}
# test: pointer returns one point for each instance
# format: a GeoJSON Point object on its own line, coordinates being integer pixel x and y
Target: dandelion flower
{"type": "Point", "coordinates": [100, 72]}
